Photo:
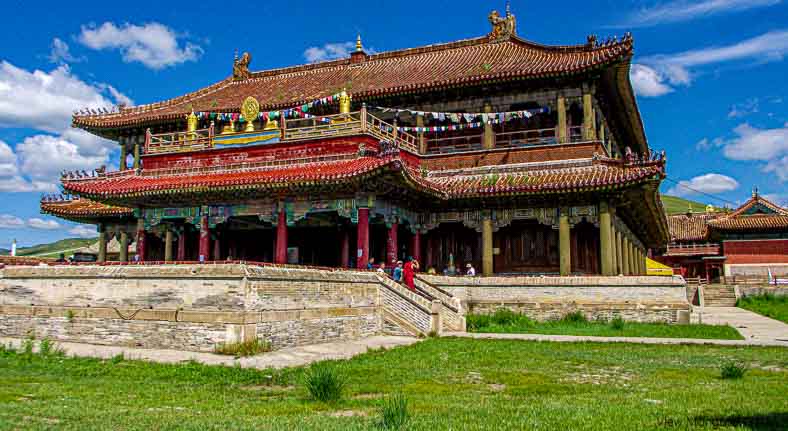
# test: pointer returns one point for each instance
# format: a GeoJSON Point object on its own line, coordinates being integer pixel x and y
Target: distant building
{"type": "Point", "coordinates": [751, 241]}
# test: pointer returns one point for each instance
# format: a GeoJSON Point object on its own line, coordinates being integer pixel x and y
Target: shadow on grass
{"type": "Point", "coordinates": [759, 422]}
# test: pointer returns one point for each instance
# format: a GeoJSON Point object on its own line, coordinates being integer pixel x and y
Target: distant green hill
{"type": "Point", "coordinates": [675, 205]}
{"type": "Point", "coordinates": [53, 249]}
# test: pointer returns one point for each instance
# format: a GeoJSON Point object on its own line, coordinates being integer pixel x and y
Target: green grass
{"type": "Point", "coordinates": [245, 348]}
{"type": "Point", "coordinates": [505, 321]}
{"type": "Point", "coordinates": [449, 383]}
{"type": "Point", "coordinates": [767, 304]}
{"type": "Point", "coordinates": [675, 205]}
{"type": "Point", "coordinates": [53, 249]}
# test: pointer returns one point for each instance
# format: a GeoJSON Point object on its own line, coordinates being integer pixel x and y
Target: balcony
{"type": "Point", "coordinates": [693, 249]}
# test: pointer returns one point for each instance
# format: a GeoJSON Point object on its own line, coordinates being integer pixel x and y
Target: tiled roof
{"type": "Point", "coordinates": [750, 222]}
{"type": "Point", "coordinates": [535, 178]}
{"type": "Point", "coordinates": [80, 208]}
{"type": "Point", "coordinates": [758, 200]}
{"type": "Point", "coordinates": [689, 228]}
{"type": "Point", "coordinates": [411, 70]}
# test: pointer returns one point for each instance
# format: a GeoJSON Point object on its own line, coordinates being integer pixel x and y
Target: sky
{"type": "Point", "coordinates": [710, 77]}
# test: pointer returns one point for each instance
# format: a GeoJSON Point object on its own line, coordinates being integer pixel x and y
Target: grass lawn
{"type": "Point", "coordinates": [768, 305]}
{"type": "Point", "coordinates": [449, 383]}
{"type": "Point", "coordinates": [504, 321]}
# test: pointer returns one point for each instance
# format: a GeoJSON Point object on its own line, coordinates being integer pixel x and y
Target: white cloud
{"type": "Point", "coordinates": [709, 183]}
{"type": "Point", "coordinates": [61, 53]}
{"type": "Point", "coordinates": [779, 167]}
{"type": "Point", "coordinates": [7, 221]}
{"type": "Point", "coordinates": [684, 10]}
{"type": "Point", "coordinates": [83, 231]}
{"type": "Point", "coordinates": [647, 82]}
{"type": "Point", "coordinates": [752, 143]}
{"type": "Point", "coordinates": [751, 106]}
{"type": "Point", "coordinates": [41, 224]}
{"type": "Point", "coordinates": [43, 157]}
{"type": "Point", "coordinates": [46, 100]}
{"type": "Point", "coordinates": [329, 51]}
{"type": "Point", "coordinates": [154, 45]}
{"type": "Point", "coordinates": [678, 69]}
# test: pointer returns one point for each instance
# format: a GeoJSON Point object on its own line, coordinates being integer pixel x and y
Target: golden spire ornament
{"type": "Point", "coordinates": [359, 47]}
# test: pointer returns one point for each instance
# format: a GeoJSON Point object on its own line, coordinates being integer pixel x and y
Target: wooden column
{"type": "Point", "coordinates": [613, 247]}
{"type": "Point", "coordinates": [392, 245]}
{"type": "Point", "coordinates": [488, 140]}
{"type": "Point", "coordinates": [102, 242]}
{"type": "Point", "coordinates": [124, 246]}
{"type": "Point", "coordinates": [561, 131]}
{"type": "Point", "coordinates": [217, 247]}
{"type": "Point", "coordinates": [182, 245]}
{"type": "Point", "coordinates": [631, 258]}
{"type": "Point", "coordinates": [362, 238]}
{"type": "Point", "coordinates": [619, 253]}
{"type": "Point", "coordinates": [564, 243]}
{"type": "Point", "coordinates": [589, 122]}
{"type": "Point", "coordinates": [124, 153]}
{"type": "Point", "coordinates": [415, 247]}
{"type": "Point", "coordinates": [422, 137]}
{"type": "Point", "coordinates": [205, 240]}
{"type": "Point", "coordinates": [605, 238]}
{"type": "Point", "coordinates": [487, 246]}
{"type": "Point", "coordinates": [280, 256]}
{"type": "Point", "coordinates": [344, 251]}
{"type": "Point", "coordinates": [168, 237]}
{"type": "Point", "coordinates": [642, 261]}
{"type": "Point", "coordinates": [137, 152]}
{"type": "Point", "coordinates": [141, 255]}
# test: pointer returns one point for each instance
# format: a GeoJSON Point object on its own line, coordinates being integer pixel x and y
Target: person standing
{"type": "Point", "coordinates": [470, 271]}
{"type": "Point", "coordinates": [407, 275]}
{"type": "Point", "coordinates": [397, 274]}
{"type": "Point", "coordinates": [371, 263]}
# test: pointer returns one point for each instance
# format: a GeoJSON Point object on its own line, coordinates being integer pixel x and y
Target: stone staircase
{"type": "Point", "coordinates": [719, 295]}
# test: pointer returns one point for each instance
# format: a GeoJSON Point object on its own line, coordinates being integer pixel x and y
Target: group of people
{"type": "Point", "coordinates": [401, 273]}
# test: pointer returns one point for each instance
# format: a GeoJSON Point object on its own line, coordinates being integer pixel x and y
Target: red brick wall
{"type": "Point", "coordinates": [763, 251]}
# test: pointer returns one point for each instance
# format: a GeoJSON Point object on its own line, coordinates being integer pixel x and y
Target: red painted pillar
{"type": "Point", "coordinates": [281, 238]}
{"type": "Point", "coordinates": [205, 240]}
{"type": "Point", "coordinates": [362, 243]}
{"type": "Point", "coordinates": [415, 246]}
{"type": "Point", "coordinates": [392, 247]}
{"type": "Point", "coordinates": [141, 250]}
{"type": "Point", "coordinates": [182, 246]}
{"type": "Point", "coordinates": [345, 250]}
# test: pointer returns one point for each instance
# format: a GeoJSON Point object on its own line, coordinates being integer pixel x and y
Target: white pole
{"type": "Point", "coordinates": [13, 247]}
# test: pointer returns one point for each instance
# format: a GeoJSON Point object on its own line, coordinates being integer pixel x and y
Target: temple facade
{"type": "Point", "coordinates": [515, 157]}
{"type": "Point", "coordinates": [748, 242]}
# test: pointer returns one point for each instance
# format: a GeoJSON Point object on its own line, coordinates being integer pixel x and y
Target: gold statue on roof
{"type": "Point", "coordinates": [250, 110]}
{"type": "Point", "coordinates": [241, 66]}
{"type": "Point", "coordinates": [502, 27]}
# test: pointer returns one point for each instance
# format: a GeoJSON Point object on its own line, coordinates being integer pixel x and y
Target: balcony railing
{"type": "Point", "coordinates": [346, 124]}
{"type": "Point", "coordinates": [694, 249]}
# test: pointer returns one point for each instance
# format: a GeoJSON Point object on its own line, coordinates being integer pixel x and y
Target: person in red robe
{"type": "Point", "coordinates": [407, 274]}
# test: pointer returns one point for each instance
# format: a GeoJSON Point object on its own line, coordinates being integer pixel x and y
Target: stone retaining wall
{"type": "Point", "coordinates": [644, 299]}
{"type": "Point", "coordinates": [193, 307]}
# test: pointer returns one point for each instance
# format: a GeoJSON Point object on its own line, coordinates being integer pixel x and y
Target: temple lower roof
{"type": "Point", "coordinates": [82, 210]}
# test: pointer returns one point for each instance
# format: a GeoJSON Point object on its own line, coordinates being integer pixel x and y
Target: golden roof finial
{"type": "Point", "coordinates": [359, 47]}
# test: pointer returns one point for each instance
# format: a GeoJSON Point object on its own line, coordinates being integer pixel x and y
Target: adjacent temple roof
{"type": "Point", "coordinates": [757, 214]}
{"type": "Point", "coordinates": [466, 62]}
{"type": "Point", "coordinates": [81, 210]}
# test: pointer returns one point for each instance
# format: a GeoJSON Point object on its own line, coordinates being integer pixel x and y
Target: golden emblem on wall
{"type": "Point", "coordinates": [250, 110]}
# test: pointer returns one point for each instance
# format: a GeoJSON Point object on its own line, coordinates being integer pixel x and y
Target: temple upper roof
{"type": "Point", "coordinates": [466, 62]}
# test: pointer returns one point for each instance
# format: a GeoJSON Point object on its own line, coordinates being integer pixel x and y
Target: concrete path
{"type": "Point", "coordinates": [635, 340]}
{"type": "Point", "coordinates": [752, 326]}
{"type": "Point", "coordinates": [289, 357]}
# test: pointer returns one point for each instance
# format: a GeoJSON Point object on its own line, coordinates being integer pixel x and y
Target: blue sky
{"type": "Point", "coordinates": [710, 76]}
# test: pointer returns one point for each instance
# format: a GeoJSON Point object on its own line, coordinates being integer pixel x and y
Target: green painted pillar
{"type": "Point", "coordinates": [137, 152]}
{"type": "Point", "coordinates": [102, 243]}
{"type": "Point", "coordinates": [560, 107]}
{"type": "Point", "coordinates": [564, 243]}
{"type": "Point", "coordinates": [632, 259]}
{"type": "Point", "coordinates": [589, 122]}
{"type": "Point", "coordinates": [487, 246]}
{"type": "Point", "coordinates": [124, 152]}
{"type": "Point", "coordinates": [168, 239]}
{"type": "Point", "coordinates": [606, 238]}
{"type": "Point", "coordinates": [625, 255]}
{"type": "Point", "coordinates": [124, 246]}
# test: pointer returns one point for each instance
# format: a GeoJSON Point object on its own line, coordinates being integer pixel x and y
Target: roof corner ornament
{"type": "Point", "coordinates": [241, 66]}
{"type": "Point", "coordinates": [502, 27]}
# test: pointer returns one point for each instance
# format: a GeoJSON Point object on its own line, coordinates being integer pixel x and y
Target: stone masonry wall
{"type": "Point", "coordinates": [192, 307]}
{"type": "Point", "coordinates": [645, 299]}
